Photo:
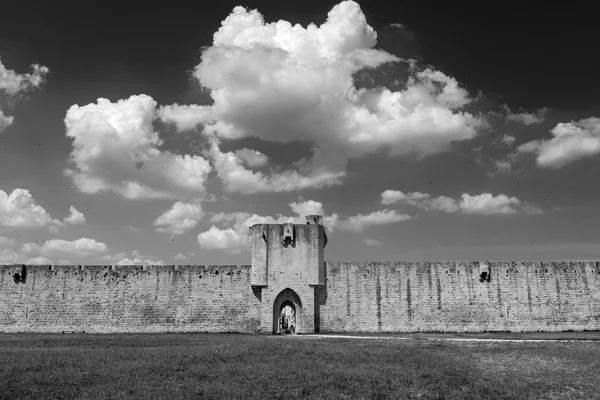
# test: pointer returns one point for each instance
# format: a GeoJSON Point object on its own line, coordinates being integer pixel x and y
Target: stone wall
{"type": "Point", "coordinates": [127, 299]}
{"type": "Point", "coordinates": [449, 297]}
{"type": "Point", "coordinates": [396, 296]}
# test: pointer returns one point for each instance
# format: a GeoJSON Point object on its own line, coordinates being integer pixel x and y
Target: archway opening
{"type": "Point", "coordinates": [287, 313]}
{"type": "Point", "coordinates": [287, 321]}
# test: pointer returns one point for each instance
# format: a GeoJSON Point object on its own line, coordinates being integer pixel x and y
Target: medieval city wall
{"type": "Point", "coordinates": [393, 296]}
{"type": "Point", "coordinates": [449, 297]}
{"type": "Point", "coordinates": [127, 299]}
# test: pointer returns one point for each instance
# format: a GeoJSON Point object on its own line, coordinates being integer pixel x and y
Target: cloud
{"type": "Point", "coordinates": [252, 158]}
{"type": "Point", "coordinates": [285, 83]}
{"type": "Point", "coordinates": [309, 207]}
{"type": "Point", "coordinates": [360, 222]}
{"type": "Point", "coordinates": [571, 141]}
{"type": "Point", "coordinates": [133, 228]}
{"type": "Point", "coordinates": [394, 196]}
{"type": "Point", "coordinates": [233, 237]}
{"type": "Point", "coordinates": [485, 203]}
{"type": "Point", "coordinates": [5, 121]}
{"type": "Point", "coordinates": [525, 117]}
{"type": "Point", "coordinates": [75, 218]}
{"type": "Point", "coordinates": [114, 257]}
{"type": "Point", "coordinates": [12, 84]}
{"type": "Point", "coordinates": [7, 242]}
{"type": "Point", "coordinates": [81, 247]}
{"type": "Point", "coordinates": [222, 239]}
{"type": "Point", "coordinates": [9, 256]}
{"type": "Point", "coordinates": [230, 169]}
{"type": "Point", "coordinates": [503, 166]}
{"type": "Point", "coordinates": [508, 139]}
{"type": "Point", "coordinates": [39, 261]}
{"type": "Point", "coordinates": [180, 218]}
{"type": "Point", "coordinates": [371, 242]}
{"type": "Point", "coordinates": [135, 259]}
{"type": "Point", "coordinates": [18, 210]}
{"type": "Point", "coordinates": [181, 257]}
{"type": "Point", "coordinates": [115, 148]}
{"type": "Point", "coordinates": [139, 261]}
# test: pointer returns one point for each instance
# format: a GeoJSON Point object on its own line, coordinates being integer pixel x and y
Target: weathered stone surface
{"type": "Point", "coordinates": [326, 296]}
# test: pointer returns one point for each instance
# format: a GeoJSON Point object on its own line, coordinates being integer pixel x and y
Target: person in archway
{"type": "Point", "coordinates": [284, 326]}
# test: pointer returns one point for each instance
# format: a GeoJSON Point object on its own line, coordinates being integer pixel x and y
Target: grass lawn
{"type": "Point", "coordinates": [173, 366]}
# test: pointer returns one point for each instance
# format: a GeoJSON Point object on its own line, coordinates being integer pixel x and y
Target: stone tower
{"type": "Point", "coordinates": [288, 270]}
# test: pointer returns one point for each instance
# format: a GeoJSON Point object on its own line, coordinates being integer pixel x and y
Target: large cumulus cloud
{"type": "Point", "coordinates": [116, 148]}
{"type": "Point", "coordinates": [285, 83]}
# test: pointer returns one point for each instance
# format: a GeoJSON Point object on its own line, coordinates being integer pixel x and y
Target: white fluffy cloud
{"type": "Point", "coordinates": [12, 84]}
{"type": "Point", "coordinates": [18, 210]}
{"type": "Point", "coordinates": [179, 218]}
{"type": "Point", "coordinates": [80, 247]}
{"type": "Point", "coordinates": [284, 83]}
{"type": "Point", "coordinates": [116, 148]}
{"type": "Point", "coordinates": [394, 196]}
{"type": "Point", "coordinates": [360, 222]}
{"type": "Point", "coordinates": [75, 218]}
{"type": "Point", "coordinates": [484, 203]}
{"type": "Point", "coordinates": [571, 141]}
{"type": "Point", "coordinates": [222, 239]}
{"type": "Point", "coordinates": [309, 207]}
{"type": "Point", "coordinates": [234, 237]}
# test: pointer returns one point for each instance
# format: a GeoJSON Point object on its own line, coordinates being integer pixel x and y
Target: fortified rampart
{"type": "Point", "coordinates": [392, 297]}
{"type": "Point", "coordinates": [288, 272]}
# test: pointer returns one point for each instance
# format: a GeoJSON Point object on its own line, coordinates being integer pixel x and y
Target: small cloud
{"type": "Point", "coordinates": [181, 257]}
{"type": "Point", "coordinates": [133, 228]}
{"type": "Point", "coordinates": [525, 117]}
{"type": "Point", "coordinates": [503, 166]}
{"type": "Point", "coordinates": [371, 242]}
{"type": "Point", "coordinates": [75, 218]}
{"type": "Point", "coordinates": [508, 139]}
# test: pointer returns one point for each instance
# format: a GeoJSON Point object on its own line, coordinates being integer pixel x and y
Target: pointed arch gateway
{"type": "Point", "coordinates": [287, 299]}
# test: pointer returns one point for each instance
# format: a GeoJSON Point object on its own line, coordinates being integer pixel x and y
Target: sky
{"type": "Point", "coordinates": [139, 135]}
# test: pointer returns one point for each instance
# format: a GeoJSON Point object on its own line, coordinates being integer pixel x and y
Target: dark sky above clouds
{"type": "Point", "coordinates": [484, 146]}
